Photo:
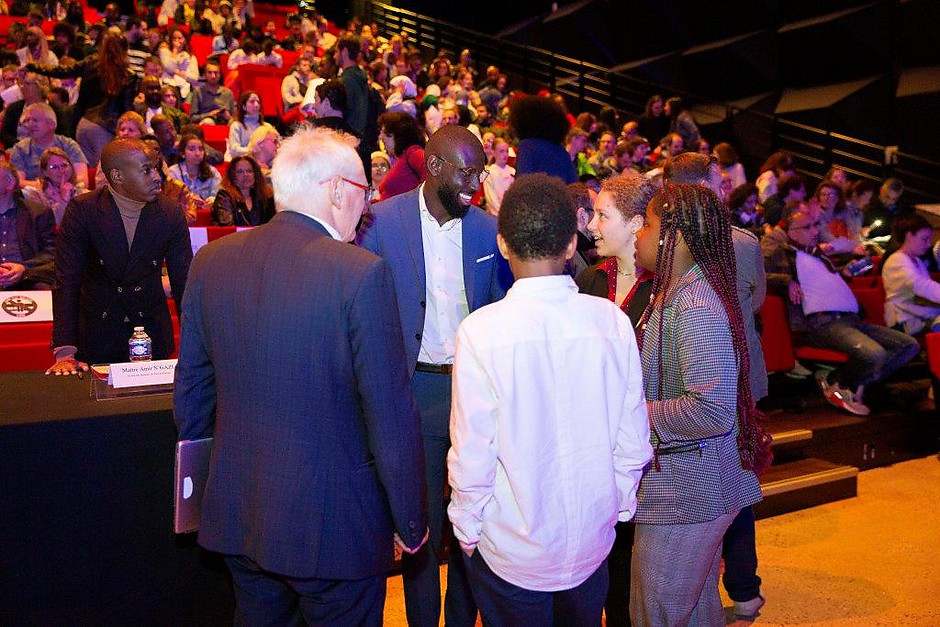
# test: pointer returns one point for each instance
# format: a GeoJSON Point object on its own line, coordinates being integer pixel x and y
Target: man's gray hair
{"type": "Point", "coordinates": [308, 158]}
{"type": "Point", "coordinates": [43, 109]}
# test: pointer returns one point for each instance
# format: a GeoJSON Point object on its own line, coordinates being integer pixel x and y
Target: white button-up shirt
{"type": "Point", "coordinates": [445, 292]}
{"type": "Point", "coordinates": [549, 432]}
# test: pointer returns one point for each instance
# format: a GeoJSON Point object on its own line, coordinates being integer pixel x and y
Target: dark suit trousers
{"type": "Point", "coordinates": [505, 604]}
{"type": "Point", "coordinates": [421, 576]}
{"type": "Point", "coordinates": [740, 554]}
{"type": "Point", "coordinates": [265, 598]}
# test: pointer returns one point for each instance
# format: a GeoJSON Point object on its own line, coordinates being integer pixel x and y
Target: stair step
{"type": "Point", "coordinates": [790, 436]}
{"type": "Point", "coordinates": [804, 483]}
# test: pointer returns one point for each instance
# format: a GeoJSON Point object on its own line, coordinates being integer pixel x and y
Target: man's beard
{"type": "Point", "coordinates": [450, 199]}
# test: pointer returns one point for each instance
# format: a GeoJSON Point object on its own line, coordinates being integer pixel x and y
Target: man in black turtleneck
{"type": "Point", "coordinates": [109, 255]}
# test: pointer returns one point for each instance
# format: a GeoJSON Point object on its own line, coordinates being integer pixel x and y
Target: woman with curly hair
{"type": "Point", "coordinates": [541, 126]}
{"type": "Point", "coordinates": [245, 199]}
{"type": "Point", "coordinates": [107, 90]}
{"type": "Point", "coordinates": [404, 142]}
{"type": "Point", "coordinates": [708, 447]}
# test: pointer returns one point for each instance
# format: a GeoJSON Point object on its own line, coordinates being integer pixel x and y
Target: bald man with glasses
{"type": "Point", "coordinates": [445, 264]}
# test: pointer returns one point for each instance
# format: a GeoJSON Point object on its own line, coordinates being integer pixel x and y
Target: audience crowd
{"type": "Point", "coordinates": [661, 221]}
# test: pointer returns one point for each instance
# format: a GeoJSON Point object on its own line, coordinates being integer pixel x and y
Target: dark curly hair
{"type": "Point", "coordinates": [403, 128]}
{"type": "Point", "coordinates": [538, 117]}
{"type": "Point", "coordinates": [537, 217]}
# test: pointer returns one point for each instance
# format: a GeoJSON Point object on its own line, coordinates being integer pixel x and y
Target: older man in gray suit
{"type": "Point", "coordinates": [291, 357]}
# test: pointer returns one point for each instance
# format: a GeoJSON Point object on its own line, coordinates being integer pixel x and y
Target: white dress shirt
{"type": "Point", "coordinates": [445, 292]}
{"type": "Point", "coordinates": [823, 289]}
{"type": "Point", "coordinates": [549, 432]}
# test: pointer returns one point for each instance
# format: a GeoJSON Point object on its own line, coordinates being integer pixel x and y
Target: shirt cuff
{"type": "Point", "coordinates": [64, 352]}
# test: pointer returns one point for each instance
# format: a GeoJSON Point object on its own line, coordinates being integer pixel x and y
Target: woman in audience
{"type": "Point", "coordinates": [912, 297]}
{"type": "Point", "coordinates": [262, 147]}
{"type": "Point", "coordinates": [501, 177]}
{"type": "Point", "coordinates": [58, 185]}
{"type": "Point", "coordinates": [707, 444]}
{"type": "Point", "coordinates": [728, 162]}
{"type": "Point", "coordinates": [247, 120]}
{"type": "Point", "coordinates": [170, 96]}
{"type": "Point", "coordinates": [653, 124]}
{"type": "Point", "coordinates": [194, 170]}
{"type": "Point", "coordinates": [381, 164]}
{"type": "Point", "coordinates": [837, 225]}
{"type": "Point", "coordinates": [130, 124]}
{"type": "Point", "coordinates": [839, 177]}
{"type": "Point", "coordinates": [618, 215]}
{"type": "Point", "coordinates": [107, 90]}
{"type": "Point", "coordinates": [245, 199]}
{"type": "Point", "coordinates": [180, 67]}
{"type": "Point", "coordinates": [404, 142]}
{"type": "Point", "coordinates": [743, 207]}
{"type": "Point", "coordinates": [681, 121]}
{"type": "Point", "coordinates": [774, 169]}
{"type": "Point", "coordinates": [36, 49]}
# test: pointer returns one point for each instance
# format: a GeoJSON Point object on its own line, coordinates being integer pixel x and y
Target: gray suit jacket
{"type": "Point", "coordinates": [694, 410]}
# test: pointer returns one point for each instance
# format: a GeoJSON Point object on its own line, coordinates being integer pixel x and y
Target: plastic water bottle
{"type": "Point", "coordinates": [140, 346]}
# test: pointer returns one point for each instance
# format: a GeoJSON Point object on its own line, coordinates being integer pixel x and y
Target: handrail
{"type": "Point", "coordinates": [592, 84]}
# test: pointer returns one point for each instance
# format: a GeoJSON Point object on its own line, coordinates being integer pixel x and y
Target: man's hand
{"type": "Point", "coordinates": [67, 366]}
{"type": "Point", "coordinates": [412, 551]}
{"type": "Point", "coordinates": [11, 273]}
{"type": "Point", "coordinates": [796, 294]}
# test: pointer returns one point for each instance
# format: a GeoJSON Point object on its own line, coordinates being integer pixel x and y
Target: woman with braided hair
{"type": "Point", "coordinates": [708, 446]}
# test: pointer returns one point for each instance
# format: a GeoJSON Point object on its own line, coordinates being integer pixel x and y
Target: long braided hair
{"type": "Point", "coordinates": [703, 220]}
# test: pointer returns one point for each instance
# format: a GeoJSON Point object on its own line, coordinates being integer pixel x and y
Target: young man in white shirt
{"type": "Point", "coordinates": [549, 428]}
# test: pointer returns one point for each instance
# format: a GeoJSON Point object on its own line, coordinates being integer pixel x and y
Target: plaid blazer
{"type": "Point", "coordinates": [693, 422]}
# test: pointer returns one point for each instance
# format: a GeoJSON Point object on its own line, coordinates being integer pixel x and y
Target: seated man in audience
{"type": "Point", "coordinates": [576, 144]}
{"type": "Point", "coordinates": [823, 307]}
{"type": "Point", "coordinates": [153, 105]}
{"type": "Point", "coordinates": [212, 103]}
{"type": "Point", "coordinates": [40, 122]}
{"type": "Point", "coordinates": [27, 237]}
{"type": "Point", "coordinates": [294, 88]}
{"type": "Point", "coordinates": [630, 156]}
{"type": "Point", "coordinates": [604, 161]}
{"type": "Point", "coordinates": [790, 189]}
{"type": "Point", "coordinates": [536, 533]}
{"type": "Point", "coordinates": [165, 133]}
{"type": "Point", "coordinates": [885, 209]}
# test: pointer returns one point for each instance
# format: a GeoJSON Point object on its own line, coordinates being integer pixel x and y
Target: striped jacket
{"type": "Point", "coordinates": [699, 475]}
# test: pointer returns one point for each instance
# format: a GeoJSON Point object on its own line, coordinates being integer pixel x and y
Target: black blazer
{"type": "Point", "coordinates": [593, 281]}
{"type": "Point", "coordinates": [103, 290]}
{"type": "Point", "coordinates": [35, 233]}
{"type": "Point", "coordinates": [317, 453]}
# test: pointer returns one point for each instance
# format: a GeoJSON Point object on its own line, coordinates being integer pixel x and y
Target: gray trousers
{"type": "Point", "coordinates": [674, 573]}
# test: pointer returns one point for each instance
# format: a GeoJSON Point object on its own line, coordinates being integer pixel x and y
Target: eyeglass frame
{"type": "Point", "coordinates": [368, 190]}
{"type": "Point", "coordinates": [468, 172]}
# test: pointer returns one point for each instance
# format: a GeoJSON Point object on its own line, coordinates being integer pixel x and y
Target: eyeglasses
{"type": "Point", "coordinates": [814, 225]}
{"type": "Point", "coordinates": [467, 173]}
{"type": "Point", "coordinates": [55, 167]}
{"type": "Point", "coordinates": [368, 190]}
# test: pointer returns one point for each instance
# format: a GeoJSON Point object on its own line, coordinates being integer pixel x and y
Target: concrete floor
{"type": "Point", "coordinates": [871, 560]}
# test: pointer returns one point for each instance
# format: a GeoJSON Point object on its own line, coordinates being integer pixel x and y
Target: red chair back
{"type": "Point", "coordinates": [201, 47]}
{"type": "Point", "coordinates": [216, 135]}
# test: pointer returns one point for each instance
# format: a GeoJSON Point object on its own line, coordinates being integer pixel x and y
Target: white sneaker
{"type": "Point", "coordinates": [844, 398]}
{"type": "Point", "coordinates": [749, 610]}
{"type": "Point", "coordinates": [799, 371]}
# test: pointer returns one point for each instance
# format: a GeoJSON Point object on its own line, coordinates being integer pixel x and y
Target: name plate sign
{"type": "Point", "coordinates": [141, 373]}
{"type": "Point", "coordinates": [27, 306]}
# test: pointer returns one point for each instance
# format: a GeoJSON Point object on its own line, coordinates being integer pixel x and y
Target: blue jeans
{"type": "Point", "coordinates": [421, 574]}
{"type": "Point", "coordinates": [874, 351]}
{"type": "Point", "coordinates": [502, 603]}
